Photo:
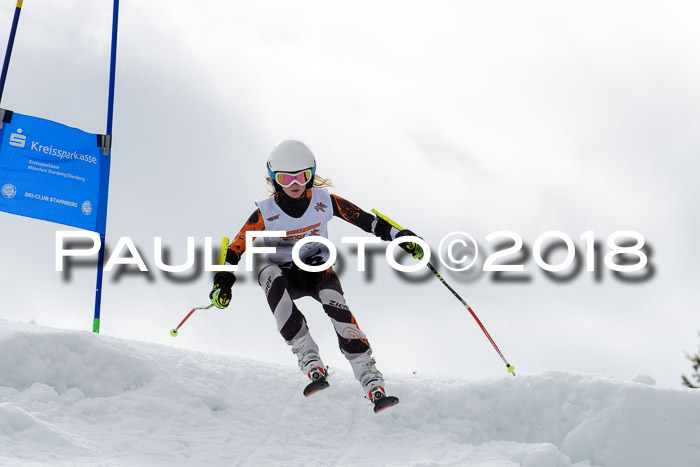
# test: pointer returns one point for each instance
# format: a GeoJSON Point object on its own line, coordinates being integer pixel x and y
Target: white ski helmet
{"type": "Point", "coordinates": [290, 156]}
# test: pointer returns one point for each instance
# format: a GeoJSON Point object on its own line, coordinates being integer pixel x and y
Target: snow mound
{"type": "Point", "coordinates": [64, 361]}
{"type": "Point", "coordinates": [74, 398]}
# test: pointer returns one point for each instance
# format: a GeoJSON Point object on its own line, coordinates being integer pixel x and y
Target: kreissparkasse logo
{"type": "Point", "coordinates": [18, 139]}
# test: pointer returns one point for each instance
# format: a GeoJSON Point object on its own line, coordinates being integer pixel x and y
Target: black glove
{"type": "Point", "coordinates": [220, 294]}
{"type": "Point", "coordinates": [232, 258]}
{"type": "Point", "coordinates": [412, 248]}
{"type": "Point", "coordinates": [382, 229]}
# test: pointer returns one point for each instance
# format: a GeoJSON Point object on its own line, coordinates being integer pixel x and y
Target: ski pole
{"type": "Point", "coordinates": [173, 332]}
{"type": "Point", "coordinates": [223, 249]}
{"type": "Point", "coordinates": [511, 368]}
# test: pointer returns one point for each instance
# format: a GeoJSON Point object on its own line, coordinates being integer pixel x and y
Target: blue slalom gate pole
{"type": "Point", "coordinates": [110, 112]}
{"type": "Point", "coordinates": [112, 67]}
{"type": "Point", "coordinates": [10, 44]}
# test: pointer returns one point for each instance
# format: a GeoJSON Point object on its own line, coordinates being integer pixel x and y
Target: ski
{"type": "Point", "coordinates": [315, 386]}
{"type": "Point", "coordinates": [385, 402]}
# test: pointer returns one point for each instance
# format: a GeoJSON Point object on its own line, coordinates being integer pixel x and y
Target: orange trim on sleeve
{"type": "Point", "coordinates": [255, 223]}
{"type": "Point", "coordinates": [348, 211]}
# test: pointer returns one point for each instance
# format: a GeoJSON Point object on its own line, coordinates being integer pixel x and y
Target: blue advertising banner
{"type": "Point", "coordinates": [53, 172]}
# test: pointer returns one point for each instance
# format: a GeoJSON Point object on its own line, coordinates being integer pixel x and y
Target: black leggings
{"type": "Point", "coordinates": [283, 285]}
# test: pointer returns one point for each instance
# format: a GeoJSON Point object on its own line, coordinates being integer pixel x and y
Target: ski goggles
{"type": "Point", "coordinates": [300, 178]}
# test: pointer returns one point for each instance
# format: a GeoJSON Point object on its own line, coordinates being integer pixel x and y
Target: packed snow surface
{"type": "Point", "coordinates": [74, 398]}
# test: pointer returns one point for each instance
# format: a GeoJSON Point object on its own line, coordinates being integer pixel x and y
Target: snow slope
{"type": "Point", "coordinates": [74, 398]}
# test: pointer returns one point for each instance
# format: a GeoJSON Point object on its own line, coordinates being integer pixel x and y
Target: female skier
{"type": "Point", "coordinates": [301, 206]}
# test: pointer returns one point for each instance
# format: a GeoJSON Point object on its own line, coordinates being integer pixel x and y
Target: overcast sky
{"type": "Point", "coordinates": [451, 116]}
